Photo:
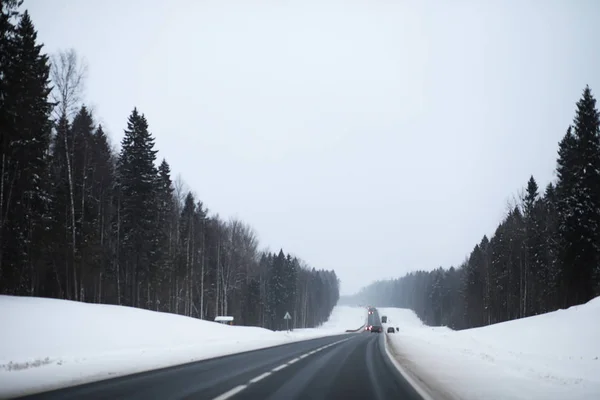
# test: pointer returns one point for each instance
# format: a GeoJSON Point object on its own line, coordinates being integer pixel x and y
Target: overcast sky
{"type": "Point", "coordinates": [369, 137]}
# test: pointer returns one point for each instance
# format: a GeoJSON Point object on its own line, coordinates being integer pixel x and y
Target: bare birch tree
{"type": "Point", "coordinates": [68, 74]}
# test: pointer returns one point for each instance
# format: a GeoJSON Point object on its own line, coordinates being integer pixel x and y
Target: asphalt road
{"type": "Point", "coordinates": [350, 366]}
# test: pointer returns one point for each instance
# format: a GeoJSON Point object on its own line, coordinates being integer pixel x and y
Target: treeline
{"type": "Point", "coordinates": [543, 256]}
{"type": "Point", "coordinates": [80, 222]}
{"type": "Point", "coordinates": [294, 289]}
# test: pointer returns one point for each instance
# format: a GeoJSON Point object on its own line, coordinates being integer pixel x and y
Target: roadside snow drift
{"type": "Point", "coordinates": [48, 343]}
{"type": "Point", "coordinates": [550, 356]}
{"type": "Point", "coordinates": [342, 318]}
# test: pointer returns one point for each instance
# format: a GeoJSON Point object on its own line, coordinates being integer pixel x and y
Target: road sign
{"type": "Point", "coordinates": [287, 318]}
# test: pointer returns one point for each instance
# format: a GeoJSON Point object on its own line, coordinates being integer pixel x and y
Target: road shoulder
{"type": "Point", "coordinates": [425, 384]}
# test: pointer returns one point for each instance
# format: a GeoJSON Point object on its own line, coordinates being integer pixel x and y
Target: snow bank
{"type": "Point", "coordinates": [341, 319]}
{"type": "Point", "coordinates": [49, 343]}
{"type": "Point", "coordinates": [550, 356]}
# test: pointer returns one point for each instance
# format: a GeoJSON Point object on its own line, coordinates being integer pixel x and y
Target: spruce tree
{"type": "Point", "coordinates": [60, 217]}
{"type": "Point", "coordinates": [534, 274]}
{"type": "Point", "coordinates": [82, 171]}
{"type": "Point", "coordinates": [164, 225]}
{"type": "Point", "coordinates": [475, 284]}
{"type": "Point", "coordinates": [187, 235]}
{"type": "Point", "coordinates": [578, 205]}
{"type": "Point", "coordinates": [25, 126]}
{"type": "Point", "coordinates": [276, 290]}
{"type": "Point", "coordinates": [587, 131]}
{"type": "Point", "coordinates": [138, 204]}
{"type": "Point", "coordinates": [500, 262]}
{"type": "Point", "coordinates": [8, 12]}
{"type": "Point", "coordinates": [100, 201]}
{"type": "Point", "coordinates": [289, 283]}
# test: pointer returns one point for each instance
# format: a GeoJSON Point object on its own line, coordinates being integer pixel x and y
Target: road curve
{"type": "Point", "coordinates": [350, 366]}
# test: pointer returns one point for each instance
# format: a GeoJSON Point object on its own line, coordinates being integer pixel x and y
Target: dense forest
{"type": "Point", "coordinates": [543, 256]}
{"type": "Point", "coordinates": [81, 222]}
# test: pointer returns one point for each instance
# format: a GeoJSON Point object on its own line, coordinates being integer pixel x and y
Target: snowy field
{"type": "Point", "coordinates": [47, 343]}
{"type": "Point", "coordinates": [550, 356]}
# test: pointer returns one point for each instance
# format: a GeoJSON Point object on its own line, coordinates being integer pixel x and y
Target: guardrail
{"type": "Point", "coordinates": [361, 328]}
{"type": "Point", "coordinates": [356, 330]}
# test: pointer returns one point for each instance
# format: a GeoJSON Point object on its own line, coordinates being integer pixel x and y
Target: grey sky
{"type": "Point", "coordinates": [371, 137]}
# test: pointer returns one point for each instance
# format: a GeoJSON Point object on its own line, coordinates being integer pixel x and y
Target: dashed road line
{"type": "Point", "coordinates": [258, 378]}
{"type": "Point", "coordinates": [231, 392]}
{"type": "Point", "coordinates": [282, 366]}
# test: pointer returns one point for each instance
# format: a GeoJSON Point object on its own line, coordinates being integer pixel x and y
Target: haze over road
{"type": "Point", "coordinates": [351, 366]}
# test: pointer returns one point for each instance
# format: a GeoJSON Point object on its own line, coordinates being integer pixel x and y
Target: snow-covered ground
{"type": "Point", "coordinates": [48, 343]}
{"type": "Point", "coordinates": [550, 356]}
{"type": "Point", "coordinates": [342, 318]}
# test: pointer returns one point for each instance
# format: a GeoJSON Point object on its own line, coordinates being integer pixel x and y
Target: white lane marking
{"type": "Point", "coordinates": [239, 388]}
{"type": "Point", "coordinates": [231, 392]}
{"type": "Point", "coordinates": [258, 378]}
{"type": "Point", "coordinates": [282, 366]}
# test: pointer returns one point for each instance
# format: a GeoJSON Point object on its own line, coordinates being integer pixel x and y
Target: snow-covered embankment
{"type": "Point", "coordinates": [550, 356]}
{"type": "Point", "coordinates": [48, 343]}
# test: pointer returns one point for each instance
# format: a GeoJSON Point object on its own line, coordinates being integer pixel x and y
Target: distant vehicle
{"type": "Point", "coordinates": [368, 328]}
{"type": "Point", "coordinates": [391, 330]}
{"type": "Point", "coordinates": [384, 319]}
{"type": "Point", "coordinates": [376, 328]}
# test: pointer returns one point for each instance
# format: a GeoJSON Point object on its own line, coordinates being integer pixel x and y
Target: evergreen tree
{"type": "Point", "coordinates": [436, 293]}
{"type": "Point", "coordinates": [81, 170]}
{"type": "Point", "coordinates": [534, 275]}
{"type": "Point", "coordinates": [25, 138]}
{"type": "Point", "coordinates": [276, 291]}
{"type": "Point", "coordinates": [60, 215]}
{"type": "Point", "coordinates": [517, 264]}
{"type": "Point", "coordinates": [138, 204]}
{"type": "Point", "coordinates": [251, 304]}
{"type": "Point", "coordinates": [188, 233]}
{"type": "Point", "coordinates": [552, 275]}
{"type": "Point", "coordinates": [201, 219]}
{"type": "Point", "coordinates": [500, 265]}
{"type": "Point", "coordinates": [476, 284]}
{"type": "Point", "coordinates": [164, 224]}
{"type": "Point", "coordinates": [8, 13]}
{"type": "Point", "coordinates": [100, 205]}
{"type": "Point", "coordinates": [578, 192]}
